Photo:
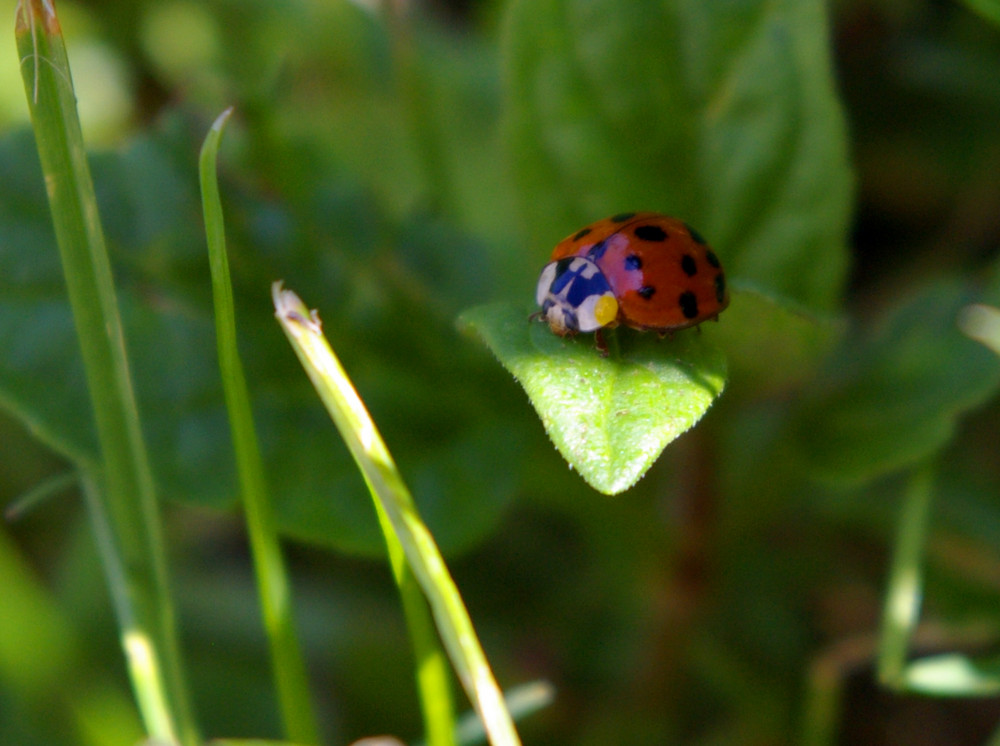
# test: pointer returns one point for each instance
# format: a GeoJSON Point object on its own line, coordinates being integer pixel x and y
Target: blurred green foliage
{"type": "Point", "coordinates": [396, 170]}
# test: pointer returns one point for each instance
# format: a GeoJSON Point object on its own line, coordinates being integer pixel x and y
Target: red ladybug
{"type": "Point", "coordinates": [640, 269]}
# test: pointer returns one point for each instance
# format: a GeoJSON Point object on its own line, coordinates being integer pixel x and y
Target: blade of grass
{"type": "Point", "coordinates": [433, 681]}
{"type": "Point", "coordinates": [903, 597]}
{"type": "Point", "coordinates": [943, 675]}
{"type": "Point", "coordinates": [273, 585]}
{"type": "Point", "coordinates": [122, 496]}
{"type": "Point", "coordinates": [31, 499]}
{"type": "Point", "coordinates": [397, 511]}
{"type": "Point", "coordinates": [522, 700]}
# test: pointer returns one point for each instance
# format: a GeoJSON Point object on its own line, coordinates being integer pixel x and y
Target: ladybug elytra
{"type": "Point", "coordinates": [643, 270]}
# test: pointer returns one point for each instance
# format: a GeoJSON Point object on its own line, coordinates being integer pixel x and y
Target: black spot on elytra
{"type": "Point", "coordinates": [689, 266]}
{"type": "Point", "coordinates": [650, 233]}
{"type": "Point", "coordinates": [712, 259]}
{"type": "Point", "coordinates": [633, 262]}
{"type": "Point", "coordinates": [696, 235]}
{"type": "Point", "coordinates": [647, 291]}
{"type": "Point", "coordinates": [622, 217]}
{"type": "Point", "coordinates": [689, 304]}
{"type": "Point", "coordinates": [720, 287]}
{"type": "Point", "coordinates": [580, 234]}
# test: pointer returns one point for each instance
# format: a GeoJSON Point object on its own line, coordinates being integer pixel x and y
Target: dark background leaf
{"type": "Point", "coordinates": [722, 113]}
{"type": "Point", "coordinates": [891, 395]}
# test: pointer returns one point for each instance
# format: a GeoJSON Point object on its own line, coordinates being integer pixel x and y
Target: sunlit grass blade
{"type": "Point", "coordinates": [393, 500]}
{"type": "Point", "coordinates": [289, 666]}
{"type": "Point", "coordinates": [903, 597]}
{"type": "Point", "coordinates": [433, 680]}
{"type": "Point", "coordinates": [122, 496]}
{"type": "Point", "coordinates": [946, 675]}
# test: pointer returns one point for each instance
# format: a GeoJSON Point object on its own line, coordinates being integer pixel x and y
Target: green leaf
{"type": "Point", "coordinates": [724, 114]}
{"type": "Point", "coordinates": [609, 417]}
{"type": "Point", "coordinates": [892, 395]}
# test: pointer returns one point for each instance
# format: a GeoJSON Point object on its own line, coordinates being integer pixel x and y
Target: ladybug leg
{"type": "Point", "coordinates": [601, 343]}
{"type": "Point", "coordinates": [666, 334]}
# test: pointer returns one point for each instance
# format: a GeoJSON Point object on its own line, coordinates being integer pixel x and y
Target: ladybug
{"type": "Point", "coordinates": [640, 269]}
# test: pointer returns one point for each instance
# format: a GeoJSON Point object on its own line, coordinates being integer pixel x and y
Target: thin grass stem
{"type": "Point", "coordinates": [291, 677]}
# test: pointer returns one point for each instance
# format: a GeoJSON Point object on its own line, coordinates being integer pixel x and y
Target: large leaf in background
{"type": "Point", "coordinates": [722, 113]}
{"type": "Point", "coordinates": [41, 376]}
{"type": "Point", "coordinates": [785, 345]}
{"type": "Point", "coordinates": [609, 417]}
{"type": "Point", "coordinates": [987, 8]}
{"type": "Point", "coordinates": [893, 394]}
{"type": "Point", "coordinates": [367, 296]}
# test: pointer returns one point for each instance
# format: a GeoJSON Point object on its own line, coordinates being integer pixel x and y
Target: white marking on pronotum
{"type": "Point", "coordinates": [548, 276]}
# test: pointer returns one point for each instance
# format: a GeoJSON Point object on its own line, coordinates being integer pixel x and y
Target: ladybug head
{"type": "Point", "coordinates": [575, 296]}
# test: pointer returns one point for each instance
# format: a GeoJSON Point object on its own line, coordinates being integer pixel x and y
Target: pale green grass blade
{"type": "Point", "coordinates": [391, 495]}
{"type": "Point", "coordinates": [903, 597]}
